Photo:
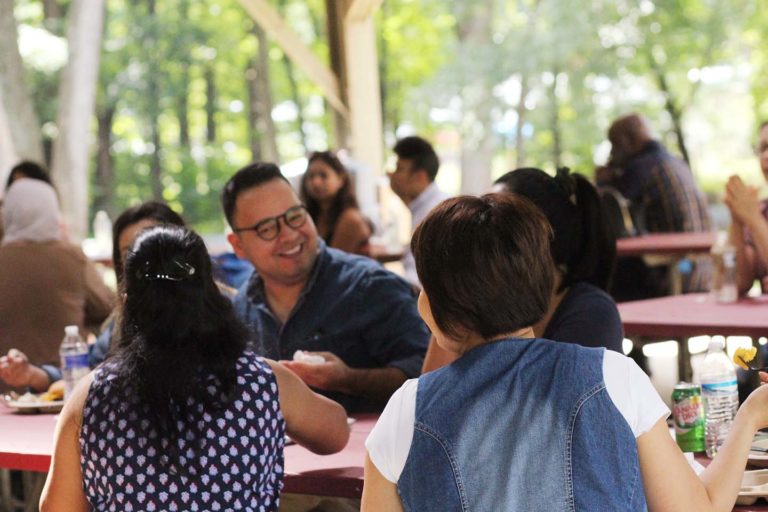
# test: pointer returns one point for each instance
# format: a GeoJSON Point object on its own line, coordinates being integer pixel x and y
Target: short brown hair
{"type": "Point", "coordinates": [485, 264]}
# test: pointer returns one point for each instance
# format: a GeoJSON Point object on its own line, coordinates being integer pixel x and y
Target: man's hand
{"type": "Point", "coordinates": [742, 201]}
{"type": "Point", "coordinates": [331, 375]}
{"type": "Point", "coordinates": [15, 369]}
{"type": "Point", "coordinates": [605, 174]}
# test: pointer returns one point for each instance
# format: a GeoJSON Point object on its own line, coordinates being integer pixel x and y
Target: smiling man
{"type": "Point", "coordinates": [359, 317]}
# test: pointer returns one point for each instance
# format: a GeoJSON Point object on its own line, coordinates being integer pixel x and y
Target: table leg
{"type": "Point", "coordinates": [33, 487]}
{"type": "Point", "coordinates": [684, 370]}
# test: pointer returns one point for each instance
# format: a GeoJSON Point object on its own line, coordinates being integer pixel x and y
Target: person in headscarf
{"type": "Point", "coordinates": [45, 282]}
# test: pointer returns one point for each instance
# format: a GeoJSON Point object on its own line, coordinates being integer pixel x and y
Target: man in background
{"type": "Point", "coordinates": [414, 183]}
{"type": "Point", "coordinates": [664, 195]}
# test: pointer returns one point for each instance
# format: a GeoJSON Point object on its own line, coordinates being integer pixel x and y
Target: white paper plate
{"type": "Point", "coordinates": [754, 485]}
{"type": "Point", "coordinates": [35, 407]}
{"type": "Point", "coordinates": [759, 459]}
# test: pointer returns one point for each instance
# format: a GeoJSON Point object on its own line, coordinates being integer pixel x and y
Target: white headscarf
{"type": "Point", "coordinates": [31, 212]}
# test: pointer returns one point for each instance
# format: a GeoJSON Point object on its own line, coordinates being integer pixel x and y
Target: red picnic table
{"type": "Point", "coordinates": [666, 244]}
{"type": "Point", "coordinates": [667, 249]}
{"type": "Point", "coordinates": [680, 317]}
{"type": "Point", "coordinates": [26, 443]}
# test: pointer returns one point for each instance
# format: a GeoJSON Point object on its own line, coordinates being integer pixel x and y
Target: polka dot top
{"type": "Point", "coordinates": [230, 459]}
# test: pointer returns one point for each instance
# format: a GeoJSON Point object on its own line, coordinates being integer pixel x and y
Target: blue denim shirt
{"type": "Point", "coordinates": [350, 306]}
{"type": "Point", "coordinates": [520, 424]}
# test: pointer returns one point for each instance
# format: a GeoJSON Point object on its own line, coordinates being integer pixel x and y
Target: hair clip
{"type": "Point", "coordinates": [185, 272]}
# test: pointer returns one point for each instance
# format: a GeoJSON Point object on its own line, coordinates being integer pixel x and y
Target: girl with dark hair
{"type": "Point", "coordinates": [521, 423]}
{"type": "Point", "coordinates": [183, 417]}
{"type": "Point", "coordinates": [327, 192]}
{"type": "Point", "coordinates": [583, 252]}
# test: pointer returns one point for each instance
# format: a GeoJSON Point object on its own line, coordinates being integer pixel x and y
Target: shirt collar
{"type": "Point", "coordinates": [425, 198]}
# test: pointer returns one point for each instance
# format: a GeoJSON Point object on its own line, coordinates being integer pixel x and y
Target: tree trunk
{"type": "Point", "coordinates": [77, 96]}
{"type": "Point", "coordinates": [557, 136]}
{"type": "Point", "coordinates": [474, 30]}
{"type": "Point", "coordinates": [153, 97]}
{"type": "Point", "coordinates": [182, 100]}
{"type": "Point", "coordinates": [522, 114]}
{"type": "Point", "coordinates": [670, 105]}
{"type": "Point", "coordinates": [8, 157]}
{"type": "Point", "coordinates": [210, 103]}
{"type": "Point", "coordinates": [104, 195]}
{"type": "Point", "coordinates": [24, 127]}
{"type": "Point", "coordinates": [294, 88]}
{"type": "Point", "coordinates": [182, 106]}
{"type": "Point", "coordinates": [263, 130]}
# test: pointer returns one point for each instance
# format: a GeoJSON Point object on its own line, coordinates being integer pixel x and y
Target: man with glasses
{"type": "Point", "coordinates": [360, 319]}
{"type": "Point", "coordinates": [749, 227]}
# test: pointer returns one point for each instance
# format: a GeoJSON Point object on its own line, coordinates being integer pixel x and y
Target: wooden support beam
{"type": "Point", "coordinates": [269, 19]}
{"type": "Point", "coordinates": [361, 10]}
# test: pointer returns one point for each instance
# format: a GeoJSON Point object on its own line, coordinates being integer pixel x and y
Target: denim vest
{"type": "Point", "coordinates": [520, 424]}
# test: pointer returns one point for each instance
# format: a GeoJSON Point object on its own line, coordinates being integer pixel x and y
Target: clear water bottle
{"type": "Point", "coordinates": [720, 394]}
{"type": "Point", "coordinates": [74, 358]}
{"type": "Point", "coordinates": [723, 254]}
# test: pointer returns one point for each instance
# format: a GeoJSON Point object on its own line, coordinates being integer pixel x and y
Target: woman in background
{"type": "Point", "coordinates": [182, 395]}
{"type": "Point", "coordinates": [327, 192]}
{"type": "Point", "coordinates": [16, 370]}
{"type": "Point", "coordinates": [45, 282]}
{"type": "Point", "coordinates": [584, 253]}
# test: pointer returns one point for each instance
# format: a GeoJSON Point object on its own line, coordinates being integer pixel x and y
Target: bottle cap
{"type": "Point", "coordinates": [715, 344]}
{"type": "Point", "coordinates": [72, 330]}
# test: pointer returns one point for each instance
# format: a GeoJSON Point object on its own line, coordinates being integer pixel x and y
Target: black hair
{"type": "Point", "coordinates": [155, 210]}
{"type": "Point", "coordinates": [420, 152]}
{"type": "Point", "coordinates": [179, 337]}
{"type": "Point", "coordinates": [252, 175]}
{"type": "Point", "coordinates": [28, 169]}
{"type": "Point", "coordinates": [345, 197]}
{"type": "Point", "coordinates": [583, 241]}
{"type": "Point", "coordinates": [485, 264]}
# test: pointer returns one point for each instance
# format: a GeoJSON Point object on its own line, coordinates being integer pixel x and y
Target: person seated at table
{"type": "Point", "coordinates": [183, 416]}
{"type": "Point", "coordinates": [663, 190]}
{"type": "Point", "coordinates": [45, 283]}
{"type": "Point", "coordinates": [749, 223]}
{"type": "Point", "coordinates": [584, 252]}
{"type": "Point", "coordinates": [25, 169]}
{"type": "Point", "coordinates": [326, 190]}
{"type": "Point", "coordinates": [358, 317]}
{"type": "Point", "coordinates": [15, 367]}
{"type": "Point", "coordinates": [413, 181]}
{"type": "Point", "coordinates": [28, 169]}
{"type": "Point", "coordinates": [521, 423]}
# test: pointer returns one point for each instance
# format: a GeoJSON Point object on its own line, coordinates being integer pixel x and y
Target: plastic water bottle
{"type": "Point", "coordinates": [723, 285]}
{"type": "Point", "coordinates": [74, 358]}
{"type": "Point", "coordinates": [102, 232]}
{"type": "Point", "coordinates": [720, 394]}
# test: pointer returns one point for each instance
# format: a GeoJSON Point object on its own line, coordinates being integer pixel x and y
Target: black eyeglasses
{"type": "Point", "coordinates": [268, 229]}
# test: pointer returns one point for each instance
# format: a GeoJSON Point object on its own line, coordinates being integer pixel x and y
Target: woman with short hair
{"type": "Point", "coordinates": [518, 422]}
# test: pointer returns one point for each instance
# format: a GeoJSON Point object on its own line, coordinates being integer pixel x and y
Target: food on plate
{"type": "Point", "coordinates": [54, 393]}
{"type": "Point", "coordinates": [305, 357]}
{"type": "Point", "coordinates": [744, 355]}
